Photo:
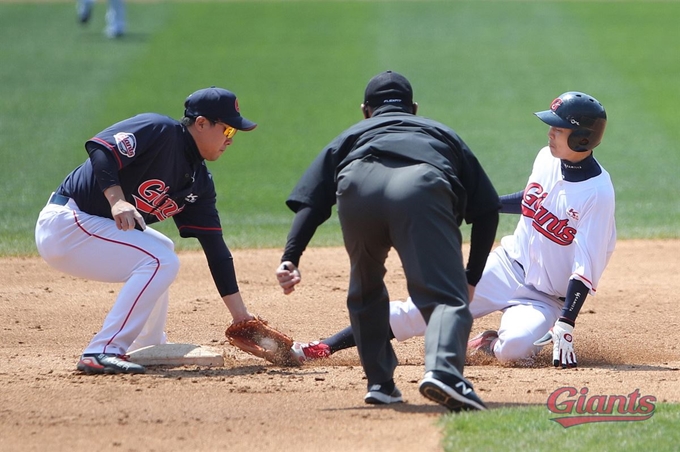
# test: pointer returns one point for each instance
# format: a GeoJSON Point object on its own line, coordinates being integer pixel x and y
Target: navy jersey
{"type": "Point", "coordinates": [157, 164]}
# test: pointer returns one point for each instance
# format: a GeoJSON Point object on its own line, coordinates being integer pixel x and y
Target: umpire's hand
{"type": "Point", "coordinates": [288, 276]}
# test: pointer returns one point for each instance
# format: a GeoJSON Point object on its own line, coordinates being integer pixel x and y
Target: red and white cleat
{"type": "Point", "coordinates": [308, 351]}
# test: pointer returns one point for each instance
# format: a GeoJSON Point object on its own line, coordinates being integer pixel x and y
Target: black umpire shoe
{"type": "Point", "coordinates": [108, 363]}
{"type": "Point", "coordinates": [383, 395]}
{"type": "Point", "coordinates": [456, 394]}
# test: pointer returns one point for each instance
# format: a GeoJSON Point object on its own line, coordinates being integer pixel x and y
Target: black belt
{"type": "Point", "coordinates": [58, 199]}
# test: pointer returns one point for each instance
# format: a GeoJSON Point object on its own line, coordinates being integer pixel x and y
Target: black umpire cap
{"type": "Point", "coordinates": [388, 88]}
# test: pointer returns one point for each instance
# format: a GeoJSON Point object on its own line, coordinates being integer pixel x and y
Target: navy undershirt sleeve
{"type": "Point", "coordinates": [512, 203]}
{"type": "Point", "coordinates": [220, 262]}
{"type": "Point", "coordinates": [577, 292]}
{"type": "Point", "coordinates": [104, 166]}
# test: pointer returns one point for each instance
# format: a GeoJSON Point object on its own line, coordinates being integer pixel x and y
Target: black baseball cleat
{"type": "Point", "coordinates": [380, 395]}
{"type": "Point", "coordinates": [459, 396]}
{"type": "Point", "coordinates": [108, 363]}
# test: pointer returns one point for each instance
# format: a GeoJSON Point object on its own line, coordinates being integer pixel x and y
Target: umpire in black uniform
{"type": "Point", "coordinates": [407, 182]}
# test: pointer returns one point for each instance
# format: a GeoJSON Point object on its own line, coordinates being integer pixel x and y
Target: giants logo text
{"type": "Point", "coordinates": [579, 408]}
{"type": "Point", "coordinates": [153, 199]}
{"type": "Point", "coordinates": [545, 222]}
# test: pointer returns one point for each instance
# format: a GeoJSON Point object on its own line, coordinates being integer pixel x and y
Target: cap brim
{"type": "Point", "coordinates": [239, 123]}
{"type": "Point", "coordinates": [549, 117]}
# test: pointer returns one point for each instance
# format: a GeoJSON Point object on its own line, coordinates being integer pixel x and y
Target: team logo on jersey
{"type": "Point", "coordinates": [153, 200]}
{"type": "Point", "coordinates": [573, 214]}
{"type": "Point", "coordinates": [126, 143]}
{"type": "Point", "coordinates": [191, 198]}
{"type": "Point", "coordinates": [544, 221]}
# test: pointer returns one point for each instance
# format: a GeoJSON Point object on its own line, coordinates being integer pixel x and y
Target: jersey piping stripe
{"type": "Point", "coordinates": [199, 228]}
{"type": "Point", "coordinates": [110, 148]}
{"type": "Point", "coordinates": [158, 265]}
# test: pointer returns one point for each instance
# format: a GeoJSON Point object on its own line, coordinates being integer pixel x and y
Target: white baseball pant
{"type": "Point", "coordinates": [92, 247]}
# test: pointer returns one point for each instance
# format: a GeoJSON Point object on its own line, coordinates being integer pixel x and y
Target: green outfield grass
{"type": "Point", "coordinates": [530, 429]}
{"type": "Point", "coordinates": [299, 69]}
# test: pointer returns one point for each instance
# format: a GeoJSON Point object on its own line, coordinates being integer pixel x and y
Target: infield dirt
{"type": "Point", "coordinates": [626, 339]}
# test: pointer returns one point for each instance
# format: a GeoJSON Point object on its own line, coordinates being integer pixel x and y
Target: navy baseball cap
{"type": "Point", "coordinates": [217, 104]}
{"type": "Point", "coordinates": [388, 88]}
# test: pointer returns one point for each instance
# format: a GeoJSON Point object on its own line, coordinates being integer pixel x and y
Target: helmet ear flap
{"type": "Point", "coordinates": [578, 140]}
{"type": "Point", "coordinates": [587, 138]}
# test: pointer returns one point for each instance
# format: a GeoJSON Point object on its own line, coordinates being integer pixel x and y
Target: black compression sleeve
{"type": "Point", "coordinates": [344, 339]}
{"type": "Point", "coordinates": [103, 165]}
{"type": "Point", "coordinates": [305, 223]}
{"type": "Point", "coordinates": [220, 262]}
{"type": "Point", "coordinates": [577, 292]}
{"type": "Point", "coordinates": [482, 236]}
{"type": "Point", "coordinates": [340, 340]}
{"type": "Point", "coordinates": [512, 203]}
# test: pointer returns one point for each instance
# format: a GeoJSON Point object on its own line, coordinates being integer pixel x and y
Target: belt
{"type": "Point", "coordinates": [58, 199]}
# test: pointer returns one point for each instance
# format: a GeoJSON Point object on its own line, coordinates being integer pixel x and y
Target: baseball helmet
{"type": "Point", "coordinates": [581, 113]}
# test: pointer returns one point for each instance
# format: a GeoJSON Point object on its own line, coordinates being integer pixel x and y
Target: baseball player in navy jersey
{"type": "Point", "coordinates": [540, 276]}
{"type": "Point", "coordinates": [407, 182]}
{"type": "Point", "coordinates": [140, 171]}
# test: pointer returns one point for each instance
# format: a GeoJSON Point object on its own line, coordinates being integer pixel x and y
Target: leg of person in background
{"type": "Point", "coordinates": [115, 19]}
{"type": "Point", "coordinates": [84, 10]}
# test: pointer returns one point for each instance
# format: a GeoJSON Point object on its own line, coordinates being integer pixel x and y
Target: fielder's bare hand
{"type": "Point", "coordinates": [124, 214]}
{"type": "Point", "coordinates": [561, 335]}
{"type": "Point", "coordinates": [288, 276]}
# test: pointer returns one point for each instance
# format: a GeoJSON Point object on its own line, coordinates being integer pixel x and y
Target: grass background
{"type": "Point", "coordinates": [531, 429]}
{"type": "Point", "coordinates": [299, 69]}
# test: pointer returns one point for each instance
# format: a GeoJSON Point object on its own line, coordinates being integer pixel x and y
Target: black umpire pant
{"type": "Point", "coordinates": [385, 203]}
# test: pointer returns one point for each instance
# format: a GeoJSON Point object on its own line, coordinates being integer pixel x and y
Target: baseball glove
{"type": "Point", "coordinates": [256, 337]}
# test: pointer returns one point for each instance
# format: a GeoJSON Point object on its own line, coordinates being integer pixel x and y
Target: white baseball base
{"type": "Point", "coordinates": [177, 355]}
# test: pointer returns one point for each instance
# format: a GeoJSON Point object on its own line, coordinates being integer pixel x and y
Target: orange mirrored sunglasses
{"type": "Point", "coordinates": [229, 131]}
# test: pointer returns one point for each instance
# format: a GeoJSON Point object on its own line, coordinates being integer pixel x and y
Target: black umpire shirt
{"type": "Point", "coordinates": [384, 135]}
